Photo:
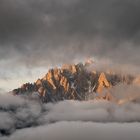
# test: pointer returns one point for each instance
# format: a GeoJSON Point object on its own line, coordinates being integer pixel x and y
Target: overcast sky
{"type": "Point", "coordinates": [36, 35]}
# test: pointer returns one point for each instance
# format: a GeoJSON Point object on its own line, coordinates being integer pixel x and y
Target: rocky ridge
{"type": "Point", "coordinates": [73, 82]}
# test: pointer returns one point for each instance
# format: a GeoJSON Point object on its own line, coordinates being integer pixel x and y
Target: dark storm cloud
{"type": "Point", "coordinates": [51, 31]}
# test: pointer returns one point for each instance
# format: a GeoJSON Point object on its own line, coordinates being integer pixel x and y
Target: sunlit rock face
{"type": "Point", "coordinates": [74, 82]}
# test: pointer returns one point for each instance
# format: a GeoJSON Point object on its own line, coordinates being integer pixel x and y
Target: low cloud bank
{"type": "Point", "coordinates": [79, 131]}
{"type": "Point", "coordinates": [21, 118]}
{"type": "Point", "coordinates": [98, 111]}
{"type": "Point", "coordinates": [107, 65]}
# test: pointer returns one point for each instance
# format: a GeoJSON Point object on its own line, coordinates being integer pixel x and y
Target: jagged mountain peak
{"type": "Point", "coordinates": [72, 82]}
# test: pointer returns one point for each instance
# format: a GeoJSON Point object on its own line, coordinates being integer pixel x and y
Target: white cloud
{"type": "Point", "coordinates": [68, 119]}
{"type": "Point", "coordinates": [80, 131]}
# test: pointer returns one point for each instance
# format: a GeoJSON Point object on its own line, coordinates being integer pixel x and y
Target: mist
{"type": "Point", "coordinates": [24, 118]}
{"type": "Point", "coordinates": [80, 130]}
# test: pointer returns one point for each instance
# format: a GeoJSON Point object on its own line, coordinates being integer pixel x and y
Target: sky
{"type": "Point", "coordinates": [36, 35]}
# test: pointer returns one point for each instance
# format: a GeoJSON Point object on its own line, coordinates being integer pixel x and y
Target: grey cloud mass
{"type": "Point", "coordinates": [47, 28]}
{"type": "Point", "coordinates": [51, 32]}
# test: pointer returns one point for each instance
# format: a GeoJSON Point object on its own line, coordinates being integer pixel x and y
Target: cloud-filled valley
{"type": "Point", "coordinates": [79, 130]}
{"type": "Point", "coordinates": [21, 118]}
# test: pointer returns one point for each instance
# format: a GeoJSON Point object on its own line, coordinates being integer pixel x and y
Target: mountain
{"type": "Point", "coordinates": [73, 82]}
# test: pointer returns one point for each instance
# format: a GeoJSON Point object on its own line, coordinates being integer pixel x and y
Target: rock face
{"type": "Point", "coordinates": [72, 82]}
{"type": "Point", "coordinates": [102, 82]}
